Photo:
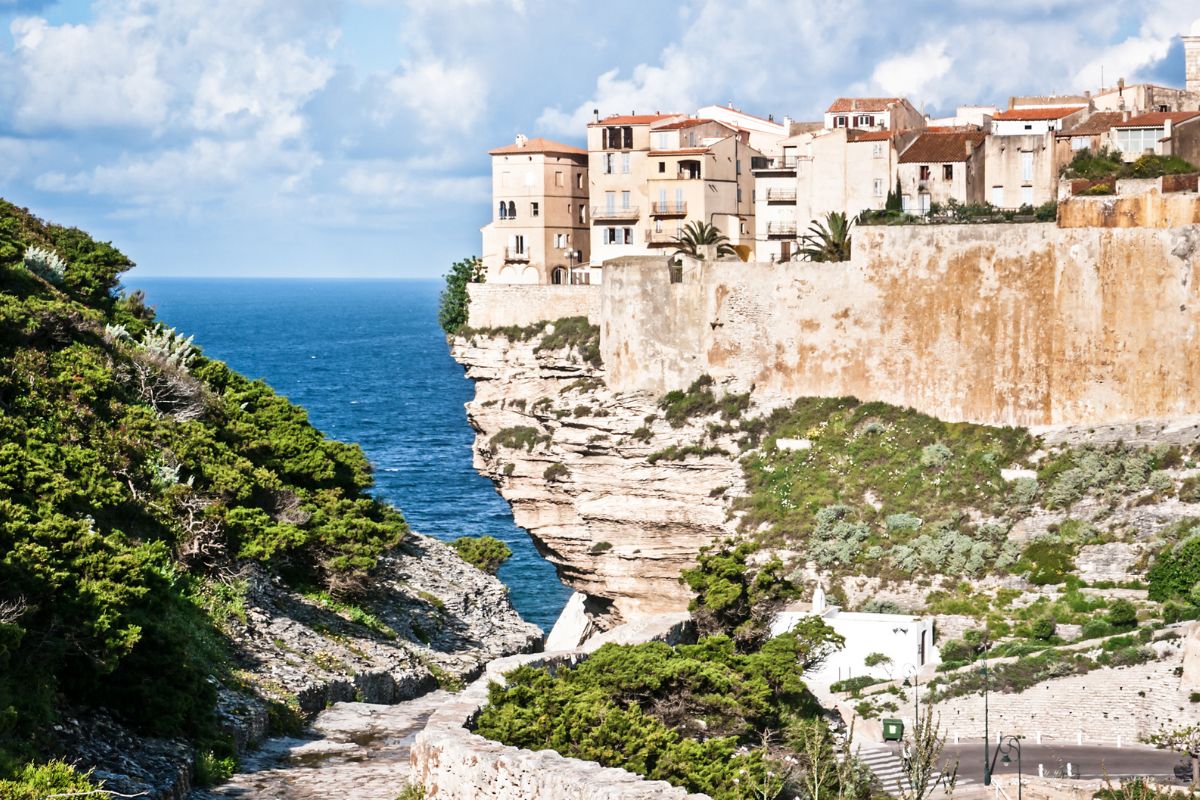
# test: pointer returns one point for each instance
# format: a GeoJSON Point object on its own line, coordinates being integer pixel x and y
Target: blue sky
{"type": "Point", "coordinates": [348, 138]}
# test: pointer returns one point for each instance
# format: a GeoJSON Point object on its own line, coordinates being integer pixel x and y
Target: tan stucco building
{"type": "Point", "coordinates": [941, 165]}
{"type": "Point", "coordinates": [1020, 154]}
{"type": "Point", "coordinates": [539, 231]}
{"type": "Point", "coordinates": [651, 174]}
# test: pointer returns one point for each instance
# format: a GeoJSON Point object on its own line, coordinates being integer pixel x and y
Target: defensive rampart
{"type": "Point", "coordinates": [1030, 324]}
{"type": "Point", "coordinates": [498, 305]}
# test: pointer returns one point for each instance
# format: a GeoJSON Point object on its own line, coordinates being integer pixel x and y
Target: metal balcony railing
{"type": "Point", "coordinates": [676, 209]}
{"type": "Point", "coordinates": [606, 213]}
{"type": "Point", "coordinates": [781, 195]}
{"type": "Point", "coordinates": [777, 163]}
{"type": "Point", "coordinates": [661, 237]}
{"type": "Point", "coordinates": [513, 254]}
{"type": "Point", "coordinates": [781, 229]}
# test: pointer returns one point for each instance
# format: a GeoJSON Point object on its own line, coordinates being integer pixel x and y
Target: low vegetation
{"type": "Point", "coordinates": [700, 401]}
{"type": "Point", "coordinates": [1108, 166]}
{"type": "Point", "coordinates": [956, 213]}
{"type": "Point", "coordinates": [706, 716]}
{"type": "Point", "coordinates": [134, 473]}
{"type": "Point", "coordinates": [453, 308]}
{"type": "Point", "coordinates": [485, 553]}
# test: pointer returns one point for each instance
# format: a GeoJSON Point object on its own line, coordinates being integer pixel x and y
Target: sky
{"type": "Point", "coordinates": [349, 138]}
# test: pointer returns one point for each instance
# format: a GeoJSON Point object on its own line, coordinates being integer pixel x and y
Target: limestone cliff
{"type": "Point", "coordinates": [618, 524]}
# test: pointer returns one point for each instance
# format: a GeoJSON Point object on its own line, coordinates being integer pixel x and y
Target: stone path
{"type": "Point", "coordinates": [356, 751]}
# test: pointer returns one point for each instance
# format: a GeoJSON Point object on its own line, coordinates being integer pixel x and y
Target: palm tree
{"type": "Point", "coordinates": [828, 240]}
{"type": "Point", "coordinates": [697, 235]}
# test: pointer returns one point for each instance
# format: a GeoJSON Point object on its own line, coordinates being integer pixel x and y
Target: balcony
{"type": "Point", "coordinates": [600, 213]}
{"type": "Point", "coordinates": [512, 254]}
{"type": "Point", "coordinates": [661, 238]}
{"type": "Point", "coordinates": [676, 209]}
{"type": "Point", "coordinates": [781, 229]}
{"type": "Point", "coordinates": [781, 195]}
{"type": "Point", "coordinates": [778, 164]}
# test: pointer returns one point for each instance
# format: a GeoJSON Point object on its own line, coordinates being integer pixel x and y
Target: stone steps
{"type": "Point", "coordinates": [886, 765]}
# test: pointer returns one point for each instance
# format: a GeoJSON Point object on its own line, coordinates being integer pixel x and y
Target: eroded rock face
{"type": "Point", "coordinates": [618, 525]}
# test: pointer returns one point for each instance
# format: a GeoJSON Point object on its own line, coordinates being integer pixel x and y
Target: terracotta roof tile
{"type": "Point", "coordinates": [633, 119]}
{"type": "Point", "coordinates": [861, 104]}
{"type": "Point", "coordinates": [1027, 114]}
{"type": "Point", "coordinates": [538, 145]}
{"type": "Point", "coordinates": [1096, 124]}
{"type": "Point", "coordinates": [869, 136]}
{"type": "Point", "coordinates": [689, 123]}
{"type": "Point", "coordinates": [1158, 119]}
{"type": "Point", "coordinates": [941, 148]}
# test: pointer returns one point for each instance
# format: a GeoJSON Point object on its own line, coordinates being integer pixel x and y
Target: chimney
{"type": "Point", "coordinates": [1125, 115]}
{"type": "Point", "coordinates": [595, 115]}
{"type": "Point", "coordinates": [522, 140]}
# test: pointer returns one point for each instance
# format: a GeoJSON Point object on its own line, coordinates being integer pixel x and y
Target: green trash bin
{"type": "Point", "coordinates": [893, 730]}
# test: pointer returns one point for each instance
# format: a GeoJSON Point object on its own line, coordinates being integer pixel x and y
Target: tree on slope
{"type": "Point", "coordinates": [1184, 740]}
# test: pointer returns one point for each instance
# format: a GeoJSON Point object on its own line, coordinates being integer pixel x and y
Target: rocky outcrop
{"type": "Point", "coordinates": [577, 464]}
{"type": "Point", "coordinates": [430, 619]}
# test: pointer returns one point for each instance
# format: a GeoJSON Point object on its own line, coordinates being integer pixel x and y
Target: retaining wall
{"type": "Point", "coordinates": [496, 305]}
{"type": "Point", "coordinates": [451, 763]}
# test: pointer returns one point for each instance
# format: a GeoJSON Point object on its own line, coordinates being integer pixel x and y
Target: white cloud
{"type": "Point", "coordinates": [444, 98]}
{"type": "Point", "coordinates": [918, 73]}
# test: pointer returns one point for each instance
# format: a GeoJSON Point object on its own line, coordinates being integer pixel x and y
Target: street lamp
{"type": "Point", "coordinates": [987, 770]}
{"type": "Point", "coordinates": [1005, 746]}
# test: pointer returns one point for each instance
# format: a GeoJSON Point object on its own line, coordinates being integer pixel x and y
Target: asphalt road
{"type": "Point", "coordinates": [1086, 762]}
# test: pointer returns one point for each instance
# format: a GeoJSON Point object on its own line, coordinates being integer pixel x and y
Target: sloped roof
{"type": "Point", "coordinates": [691, 123]}
{"type": "Point", "coordinates": [538, 145]}
{"type": "Point", "coordinates": [1096, 124]}
{"type": "Point", "coordinates": [1029, 114]}
{"type": "Point", "coordinates": [944, 148]}
{"type": "Point", "coordinates": [869, 136]}
{"type": "Point", "coordinates": [633, 119]}
{"type": "Point", "coordinates": [861, 104]}
{"type": "Point", "coordinates": [1048, 100]}
{"type": "Point", "coordinates": [1158, 119]}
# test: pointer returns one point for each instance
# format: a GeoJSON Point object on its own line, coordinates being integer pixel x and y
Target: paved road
{"type": "Point", "coordinates": [1086, 762]}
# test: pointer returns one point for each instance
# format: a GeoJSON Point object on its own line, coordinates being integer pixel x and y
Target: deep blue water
{"type": "Point", "coordinates": [369, 363]}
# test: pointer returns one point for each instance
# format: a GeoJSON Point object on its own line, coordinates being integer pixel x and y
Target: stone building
{"type": "Point", "coordinates": [652, 174]}
{"type": "Point", "coordinates": [539, 231]}
{"type": "Point", "coordinates": [941, 165]}
{"type": "Point", "coordinates": [1091, 134]}
{"type": "Point", "coordinates": [1020, 155]}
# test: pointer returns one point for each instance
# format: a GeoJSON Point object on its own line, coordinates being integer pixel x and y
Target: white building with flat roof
{"type": "Point", "coordinates": [905, 640]}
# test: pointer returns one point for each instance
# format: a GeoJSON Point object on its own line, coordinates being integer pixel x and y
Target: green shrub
{"type": "Point", "coordinates": [453, 308]}
{"type": "Point", "coordinates": [38, 781]}
{"type": "Point", "coordinates": [1096, 628]}
{"type": "Point", "coordinates": [485, 553]}
{"type": "Point", "coordinates": [1046, 562]}
{"type": "Point", "coordinates": [555, 472]}
{"type": "Point", "coordinates": [518, 437]}
{"type": "Point", "coordinates": [1122, 614]}
{"type": "Point", "coordinates": [1175, 567]}
{"type": "Point", "coordinates": [699, 401]}
{"type": "Point", "coordinates": [575, 334]}
{"type": "Point", "coordinates": [853, 685]}
{"type": "Point", "coordinates": [1043, 628]}
{"type": "Point", "coordinates": [599, 547]}
{"type": "Point", "coordinates": [876, 659]}
{"type": "Point", "coordinates": [211, 770]}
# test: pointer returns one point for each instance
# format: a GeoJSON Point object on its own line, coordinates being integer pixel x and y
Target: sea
{"type": "Point", "coordinates": [369, 362]}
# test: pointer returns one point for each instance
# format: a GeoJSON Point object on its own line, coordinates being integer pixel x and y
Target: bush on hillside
{"type": "Point", "coordinates": [485, 553]}
{"type": "Point", "coordinates": [1175, 568]}
{"type": "Point", "coordinates": [454, 303]}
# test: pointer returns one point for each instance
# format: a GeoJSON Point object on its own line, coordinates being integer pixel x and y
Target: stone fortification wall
{"type": "Point", "coordinates": [451, 763]}
{"type": "Point", "coordinates": [497, 305]}
{"type": "Point", "coordinates": [1139, 204]}
{"type": "Point", "coordinates": [1028, 324]}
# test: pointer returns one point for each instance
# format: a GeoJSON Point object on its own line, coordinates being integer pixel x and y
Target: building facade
{"type": "Point", "coordinates": [539, 231]}
{"type": "Point", "coordinates": [1169, 133]}
{"type": "Point", "coordinates": [1020, 155]}
{"type": "Point", "coordinates": [940, 166]}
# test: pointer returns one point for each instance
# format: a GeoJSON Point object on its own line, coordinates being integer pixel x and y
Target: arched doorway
{"type": "Point", "coordinates": [559, 276]}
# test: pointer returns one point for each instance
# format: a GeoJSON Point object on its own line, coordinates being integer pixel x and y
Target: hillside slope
{"type": "Point", "coordinates": [182, 554]}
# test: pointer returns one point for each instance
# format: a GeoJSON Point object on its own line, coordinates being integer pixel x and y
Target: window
{"type": "Point", "coordinates": [558, 178]}
{"type": "Point", "coordinates": [839, 122]}
{"type": "Point", "coordinates": [628, 232]}
{"type": "Point", "coordinates": [610, 201]}
{"type": "Point", "coordinates": [737, 166]}
{"type": "Point", "coordinates": [609, 160]}
{"type": "Point", "coordinates": [579, 181]}
{"type": "Point", "coordinates": [662, 166]}
{"type": "Point", "coordinates": [625, 198]}
{"type": "Point", "coordinates": [1026, 166]}
{"type": "Point", "coordinates": [864, 121]}
{"type": "Point", "coordinates": [1026, 195]}
{"type": "Point", "coordinates": [610, 235]}
{"type": "Point", "coordinates": [566, 240]}
{"type": "Point", "coordinates": [628, 132]}
{"type": "Point", "coordinates": [518, 244]}
{"type": "Point", "coordinates": [533, 209]}
{"type": "Point", "coordinates": [1080, 143]}
{"type": "Point", "coordinates": [503, 210]}
{"type": "Point", "coordinates": [624, 163]}
{"type": "Point", "coordinates": [662, 141]}
{"type": "Point", "coordinates": [877, 189]}
{"type": "Point", "coordinates": [947, 172]}
{"type": "Point", "coordinates": [925, 200]}
{"type": "Point", "coordinates": [558, 241]}
{"type": "Point", "coordinates": [1163, 108]}
{"type": "Point", "coordinates": [582, 214]}
{"type": "Point", "coordinates": [1135, 141]}
{"type": "Point", "coordinates": [512, 209]}
{"type": "Point", "coordinates": [1028, 127]}
{"type": "Point", "coordinates": [877, 149]}
{"type": "Point", "coordinates": [906, 203]}
{"type": "Point", "coordinates": [739, 194]}
{"type": "Point", "coordinates": [569, 209]}
{"type": "Point", "coordinates": [924, 172]}
{"type": "Point", "coordinates": [998, 196]}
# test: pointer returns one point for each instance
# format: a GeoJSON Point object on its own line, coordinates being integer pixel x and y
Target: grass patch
{"type": "Point", "coordinates": [519, 437]}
